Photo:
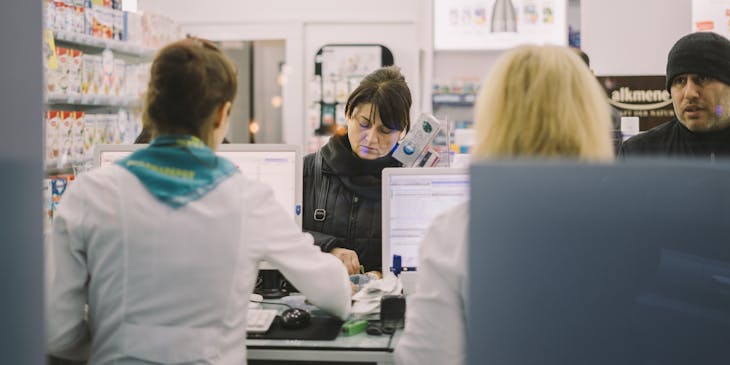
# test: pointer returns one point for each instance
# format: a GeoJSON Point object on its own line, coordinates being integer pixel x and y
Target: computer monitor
{"type": "Point", "coordinates": [412, 198]}
{"type": "Point", "coordinates": [107, 154]}
{"type": "Point", "coordinates": [599, 264]}
{"type": "Point", "coordinates": [279, 166]}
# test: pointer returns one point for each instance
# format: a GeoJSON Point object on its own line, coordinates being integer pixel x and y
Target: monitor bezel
{"type": "Point", "coordinates": [230, 147]}
{"type": "Point", "coordinates": [270, 147]}
{"type": "Point", "coordinates": [388, 174]}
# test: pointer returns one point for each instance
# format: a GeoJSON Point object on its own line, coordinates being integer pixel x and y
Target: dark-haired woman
{"type": "Point", "coordinates": [163, 247]}
{"type": "Point", "coordinates": [342, 181]}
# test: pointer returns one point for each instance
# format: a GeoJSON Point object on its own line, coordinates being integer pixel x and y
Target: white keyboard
{"type": "Point", "coordinates": [259, 320]}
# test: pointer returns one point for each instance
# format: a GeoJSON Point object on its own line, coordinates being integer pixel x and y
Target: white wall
{"type": "Point", "coordinates": [622, 37]}
{"type": "Point", "coordinates": [306, 26]}
{"type": "Point", "coordinates": [265, 11]}
{"type": "Point", "coordinates": [632, 37]}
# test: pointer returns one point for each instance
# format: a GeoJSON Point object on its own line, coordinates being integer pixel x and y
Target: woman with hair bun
{"type": "Point", "coordinates": [154, 258]}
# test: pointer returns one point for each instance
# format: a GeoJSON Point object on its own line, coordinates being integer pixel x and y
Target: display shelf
{"type": "Point", "coordinates": [465, 100]}
{"type": "Point", "coordinates": [67, 169]}
{"type": "Point", "coordinates": [101, 43]}
{"type": "Point", "coordinates": [85, 100]}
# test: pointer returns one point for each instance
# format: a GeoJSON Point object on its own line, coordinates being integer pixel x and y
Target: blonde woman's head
{"type": "Point", "coordinates": [542, 102]}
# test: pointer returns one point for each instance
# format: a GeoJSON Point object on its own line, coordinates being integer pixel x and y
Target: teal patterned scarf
{"type": "Point", "coordinates": [178, 169]}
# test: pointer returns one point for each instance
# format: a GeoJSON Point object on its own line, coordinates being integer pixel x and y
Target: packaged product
{"type": "Point", "coordinates": [52, 76]}
{"type": "Point", "coordinates": [340, 115]}
{"type": "Point", "coordinates": [90, 132]}
{"type": "Point", "coordinates": [70, 25]}
{"type": "Point", "coordinates": [89, 17]}
{"type": "Point", "coordinates": [130, 84]}
{"type": "Point", "coordinates": [63, 72]}
{"type": "Point", "coordinates": [107, 22]}
{"type": "Point", "coordinates": [93, 72]}
{"type": "Point", "coordinates": [50, 16]}
{"type": "Point", "coordinates": [75, 72]}
{"type": "Point", "coordinates": [64, 132]}
{"type": "Point", "coordinates": [119, 78]}
{"type": "Point", "coordinates": [328, 114]}
{"type": "Point", "coordinates": [59, 20]}
{"type": "Point", "coordinates": [114, 129]}
{"type": "Point", "coordinates": [47, 205]}
{"type": "Point", "coordinates": [341, 90]}
{"type": "Point", "coordinates": [354, 82]}
{"type": "Point", "coordinates": [315, 113]}
{"type": "Point", "coordinates": [78, 139]}
{"type": "Point", "coordinates": [79, 17]}
{"type": "Point", "coordinates": [107, 67]}
{"type": "Point", "coordinates": [118, 21]}
{"type": "Point", "coordinates": [52, 139]}
{"type": "Point", "coordinates": [58, 187]}
{"type": "Point", "coordinates": [96, 22]}
{"type": "Point", "coordinates": [328, 90]}
{"type": "Point", "coordinates": [87, 74]}
{"type": "Point", "coordinates": [103, 129]}
{"type": "Point", "coordinates": [132, 27]}
{"type": "Point", "coordinates": [316, 88]}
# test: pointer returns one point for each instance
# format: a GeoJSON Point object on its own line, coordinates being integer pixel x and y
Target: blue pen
{"type": "Point", "coordinates": [396, 268]}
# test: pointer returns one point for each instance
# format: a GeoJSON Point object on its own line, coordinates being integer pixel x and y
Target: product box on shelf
{"type": "Point", "coordinates": [63, 70]}
{"type": "Point", "coordinates": [132, 28]}
{"type": "Point", "coordinates": [89, 15]}
{"type": "Point", "coordinates": [158, 30]}
{"type": "Point", "coordinates": [65, 132]}
{"type": "Point", "coordinates": [59, 15]}
{"type": "Point", "coordinates": [55, 187]}
{"type": "Point", "coordinates": [99, 125]}
{"type": "Point", "coordinates": [98, 74]}
{"type": "Point", "coordinates": [79, 18]}
{"type": "Point", "coordinates": [90, 129]}
{"type": "Point", "coordinates": [53, 141]}
{"type": "Point", "coordinates": [88, 75]}
{"type": "Point", "coordinates": [49, 18]}
{"type": "Point", "coordinates": [118, 25]}
{"type": "Point", "coordinates": [75, 72]}
{"type": "Point", "coordinates": [118, 78]}
{"type": "Point", "coordinates": [79, 152]}
{"type": "Point", "coordinates": [137, 77]}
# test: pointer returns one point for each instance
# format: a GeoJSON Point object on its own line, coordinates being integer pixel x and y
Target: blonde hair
{"type": "Point", "coordinates": [542, 101]}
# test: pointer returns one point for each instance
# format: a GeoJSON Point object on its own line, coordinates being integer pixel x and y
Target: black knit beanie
{"type": "Point", "coordinates": [702, 53]}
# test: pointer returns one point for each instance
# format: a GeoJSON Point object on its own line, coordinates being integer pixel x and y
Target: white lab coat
{"type": "Point", "coordinates": [435, 330]}
{"type": "Point", "coordinates": [170, 285]}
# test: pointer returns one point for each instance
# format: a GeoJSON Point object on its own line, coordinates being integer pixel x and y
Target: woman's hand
{"type": "Point", "coordinates": [349, 258]}
{"type": "Point", "coordinates": [375, 274]}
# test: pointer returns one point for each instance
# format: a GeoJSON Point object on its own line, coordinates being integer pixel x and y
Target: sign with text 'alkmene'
{"type": "Point", "coordinates": [645, 97]}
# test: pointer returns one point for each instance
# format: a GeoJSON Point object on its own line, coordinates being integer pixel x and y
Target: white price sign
{"type": "Point", "coordinates": [498, 24]}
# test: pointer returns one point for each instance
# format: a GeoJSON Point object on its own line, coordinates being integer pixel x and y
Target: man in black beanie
{"type": "Point", "coordinates": [698, 79]}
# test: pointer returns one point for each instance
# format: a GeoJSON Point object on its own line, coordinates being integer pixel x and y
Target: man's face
{"type": "Point", "coordinates": [701, 103]}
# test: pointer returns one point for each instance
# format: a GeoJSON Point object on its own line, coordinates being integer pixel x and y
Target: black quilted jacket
{"type": "Point", "coordinates": [353, 204]}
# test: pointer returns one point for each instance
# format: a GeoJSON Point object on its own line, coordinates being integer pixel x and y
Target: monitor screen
{"type": "Point", "coordinates": [279, 166]}
{"type": "Point", "coordinates": [412, 198]}
{"type": "Point", "coordinates": [625, 263]}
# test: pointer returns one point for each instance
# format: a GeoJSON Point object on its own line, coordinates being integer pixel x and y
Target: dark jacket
{"type": "Point", "coordinates": [353, 208]}
{"type": "Point", "coordinates": [674, 139]}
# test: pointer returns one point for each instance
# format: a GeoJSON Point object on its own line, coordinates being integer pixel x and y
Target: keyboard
{"type": "Point", "coordinates": [259, 320]}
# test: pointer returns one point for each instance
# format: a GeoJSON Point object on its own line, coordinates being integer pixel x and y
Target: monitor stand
{"type": "Point", "coordinates": [271, 285]}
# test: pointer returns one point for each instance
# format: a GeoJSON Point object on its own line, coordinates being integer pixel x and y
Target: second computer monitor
{"type": "Point", "coordinates": [412, 198]}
